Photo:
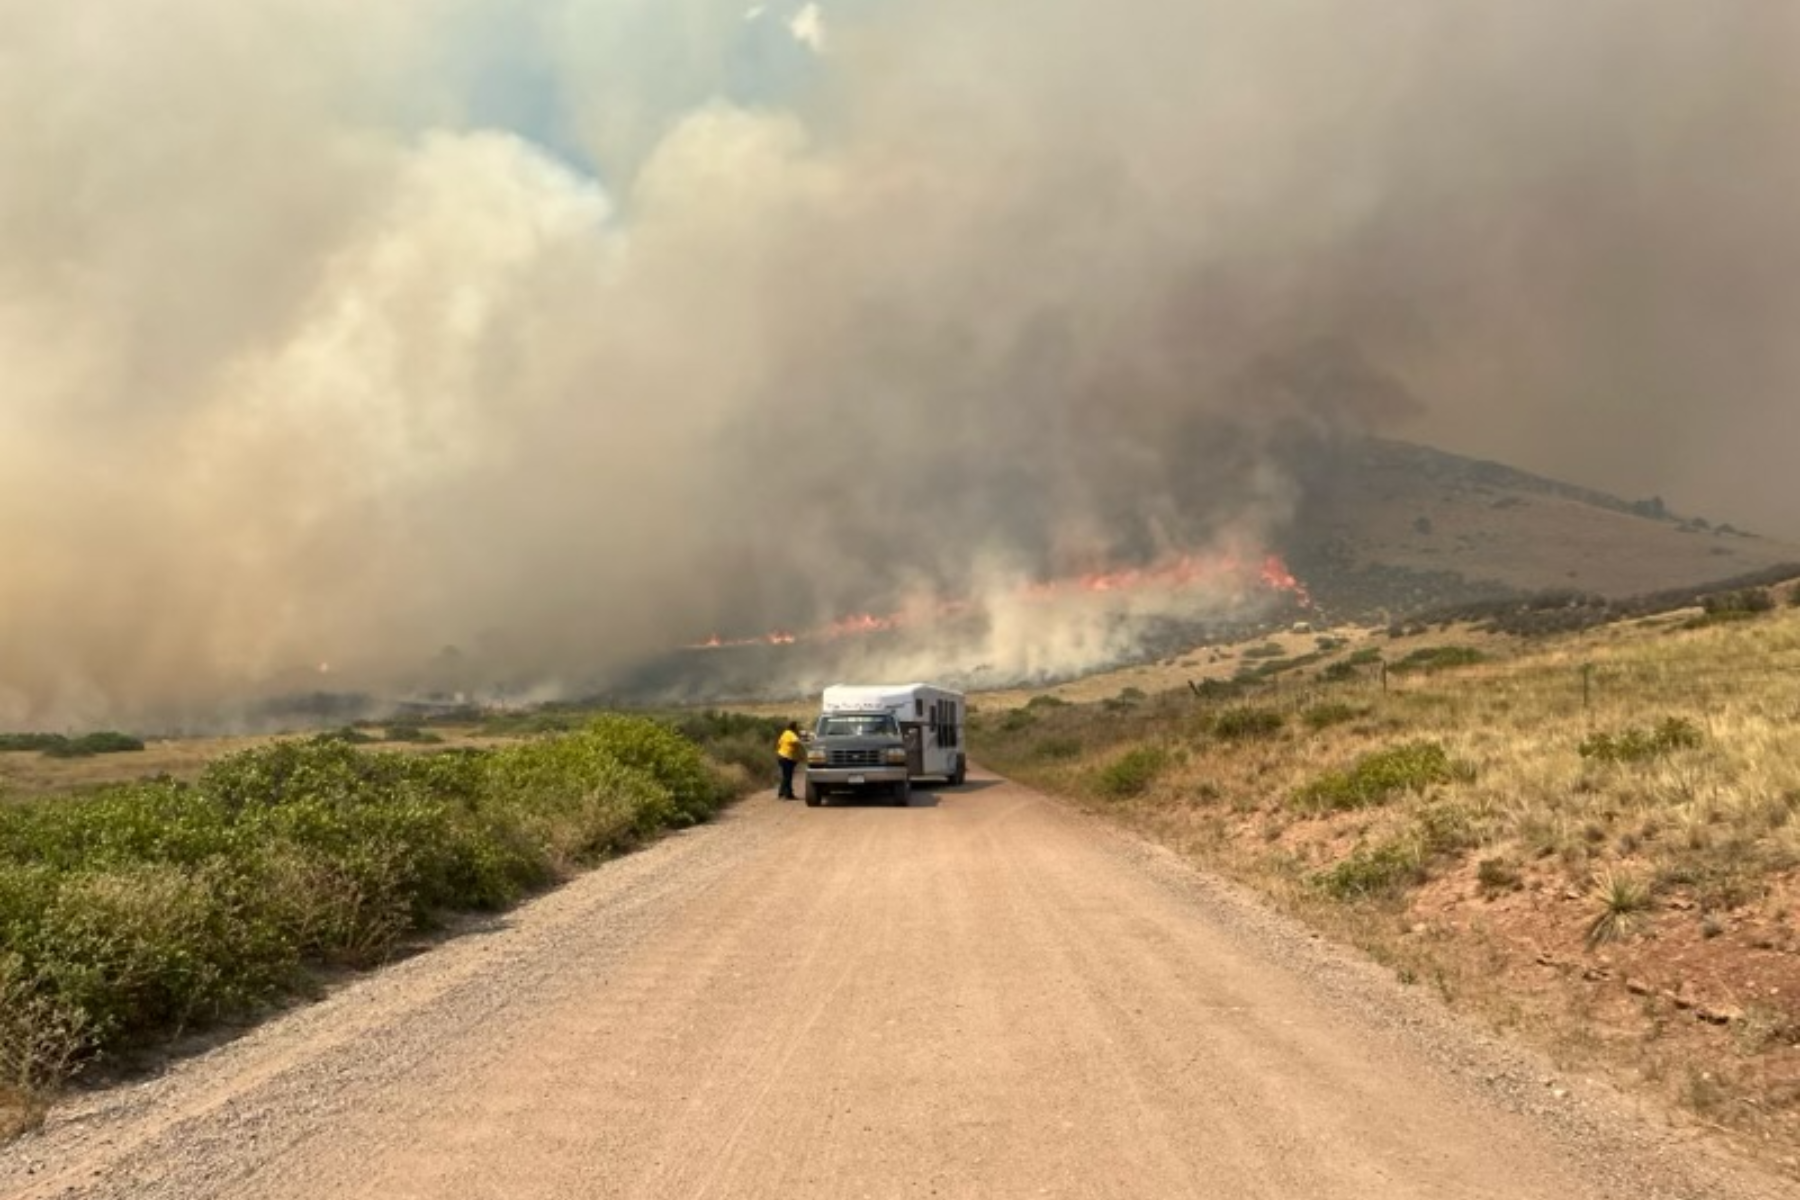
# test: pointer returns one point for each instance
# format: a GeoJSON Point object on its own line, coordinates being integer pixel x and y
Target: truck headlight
{"type": "Point", "coordinates": [895, 757]}
{"type": "Point", "coordinates": [815, 756]}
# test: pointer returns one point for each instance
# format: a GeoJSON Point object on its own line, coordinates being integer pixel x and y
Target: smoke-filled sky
{"type": "Point", "coordinates": [561, 331]}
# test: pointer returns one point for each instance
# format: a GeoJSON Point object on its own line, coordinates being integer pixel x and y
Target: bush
{"type": "Point", "coordinates": [736, 739]}
{"type": "Point", "coordinates": [1216, 689]}
{"type": "Point", "coordinates": [56, 745]}
{"type": "Point", "coordinates": [1266, 650]}
{"type": "Point", "coordinates": [1439, 658]}
{"type": "Point", "coordinates": [1324, 716]}
{"type": "Point", "coordinates": [29, 742]}
{"type": "Point", "coordinates": [1373, 778]}
{"type": "Point", "coordinates": [1046, 700]}
{"type": "Point", "coordinates": [667, 757]}
{"type": "Point", "coordinates": [1132, 773]}
{"type": "Point", "coordinates": [1370, 872]}
{"type": "Point", "coordinates": [1635, 744]}
{"type": "Point", "coordinates": [1057, 748]}
{"type": "Point", "coordinates": [1017, 720]}
{"type": "Point", "coordinates": [1498, 875]}
{"type": "Point", "coordinates": [349, 735]}
{"type": "Point", "coordinates": [1247, 724]}
{"type": "Point", "coordinates": [89, 744]}
{"type": "Point", "coordinates": [1747, 601]}
{"type": "Point", "coordinates": [138, 909]}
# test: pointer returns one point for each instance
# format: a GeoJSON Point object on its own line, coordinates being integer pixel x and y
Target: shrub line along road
{"type": "Point", "coordinates": [983, 996]}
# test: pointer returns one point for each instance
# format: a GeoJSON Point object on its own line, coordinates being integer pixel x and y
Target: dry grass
{"type": "Point", "coordinates": [1635, 911]}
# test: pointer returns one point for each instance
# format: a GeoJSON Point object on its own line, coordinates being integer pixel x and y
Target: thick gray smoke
{"type": "Point", "coordinates": [336, 335]}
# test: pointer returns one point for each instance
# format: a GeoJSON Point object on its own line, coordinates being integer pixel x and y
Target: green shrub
{"type": "Point", "coordinates": [42, 1036]}
{"type": "Point", "coordinates": [1057, 748]}
{"type": "Point", "coordinates": [412, 734]}
{"type": "Point", "coordinates": [1374, 871]}
{"type": "Point", "coordinates": [1217, 689]}
{"type": "Point", "coordinates": [1246, 723]}
{"type": "Point", "coordinates": [1373, 778]}
{"type": "Point", "coordinates": [89, 744]}
{"type": "Point", "coordinates": [736, 739]}
{"type": "Point", "coordinates": [29, 742]}
{"type": "Point", "coordinates": [1439, 658]}
{"type": "Point", "coordinates": [56, 745]}
{"type": "Point", "coordinates": [348, 735]}
{"type": "Point", "coordinates": [533, 723]}
{"type": "Point", "coordinates": [1446, 829]}
{"type": "Point", "coordinates": [154, 946]}
{"type": "Point", "coordinates": [1497, 875]}
{"type": "Point", "coordinates": [1324, 716]}
{"type": "Point", "coordinates": [667, 757]}
{"type": "Point", "coordinates": [1747, 601]}
{"type": "Point", "coordinates": [1266, 650]}
{"type": "Point", "coordinates": [1133, 772]}
{"type": "Point", "coordinates": [1017, 720]}
{"type": "Point", "coordinates": [1046, 700]}
{"type": "Point", "coordinates": [140, 908]}
{"type": "Point", "coordinates": [1635, 744]}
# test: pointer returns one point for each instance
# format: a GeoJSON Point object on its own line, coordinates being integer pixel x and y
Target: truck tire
{"type": "Point", "coordinates": [814, 797]}
{"type": "Point", "coordinates": [961, 775]}
{"type": "Point", "coordinates": [903, 793]}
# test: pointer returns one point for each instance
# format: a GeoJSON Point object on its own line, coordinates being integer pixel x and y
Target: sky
{"type": "Point", "coordinates": [563, 331]}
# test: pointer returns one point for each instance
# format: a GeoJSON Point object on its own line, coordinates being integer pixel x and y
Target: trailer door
{"type": "Point", "coordinates": [914, 734]}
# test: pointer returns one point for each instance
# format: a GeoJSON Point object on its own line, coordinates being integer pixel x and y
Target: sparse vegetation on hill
{"type": "Point", "coordinates": [1593, 838]}
{"type": "Point", "coordinates": [57, 745]}
{"type": "Point", "coordinates": [139, 909]}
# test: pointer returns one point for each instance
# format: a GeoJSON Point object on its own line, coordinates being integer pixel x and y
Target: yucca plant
{"type": "Point", "coordinates": [1623, 901]}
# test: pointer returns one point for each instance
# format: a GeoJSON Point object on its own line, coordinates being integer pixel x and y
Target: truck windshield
{"type": "Point", "coordinates": [858, 725]}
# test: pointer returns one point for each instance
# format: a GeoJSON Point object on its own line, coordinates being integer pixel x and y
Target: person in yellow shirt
{"type": "Point", "coordinates": [788, 752]}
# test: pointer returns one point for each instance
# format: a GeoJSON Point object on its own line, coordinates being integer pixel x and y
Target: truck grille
{"type": "Point", "coordinates": [854, 758]}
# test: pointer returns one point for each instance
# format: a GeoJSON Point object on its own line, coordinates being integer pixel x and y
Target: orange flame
{"type": "Point", "coordinates": [1183, 571]}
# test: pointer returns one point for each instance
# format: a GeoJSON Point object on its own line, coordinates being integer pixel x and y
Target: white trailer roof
{"type": "Point", "coordinates": [844, 696]}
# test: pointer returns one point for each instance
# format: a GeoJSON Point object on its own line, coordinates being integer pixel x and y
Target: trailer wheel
{"type": "Point", "coordinates": [903, 793]}
{"type": "Point", "coordinates": [962, 772]}
{"type": "Point", "coordinates": [814, 797]}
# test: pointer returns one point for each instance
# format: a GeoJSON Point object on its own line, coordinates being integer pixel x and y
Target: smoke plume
{"type": "Point", "coordinates": [505, 344]}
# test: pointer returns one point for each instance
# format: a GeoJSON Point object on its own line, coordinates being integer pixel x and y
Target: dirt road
{"type": "Point", "coordinates": [982, 996]}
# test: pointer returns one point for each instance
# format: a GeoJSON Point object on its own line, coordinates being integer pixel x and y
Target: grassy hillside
{"type": "Point", "coordinates": [1391, 507]}
{"type": "Point", "coordinates": [1593, 839]}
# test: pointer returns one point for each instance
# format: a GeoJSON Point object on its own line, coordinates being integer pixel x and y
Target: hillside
{"type": "Point", "coordinates": [1399, 526]}
{"type": "Point", "coordinates": [1589, 840]}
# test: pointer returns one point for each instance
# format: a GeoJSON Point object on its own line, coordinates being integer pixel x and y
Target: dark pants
{"type": "Point", "coordinates": [787, 778]}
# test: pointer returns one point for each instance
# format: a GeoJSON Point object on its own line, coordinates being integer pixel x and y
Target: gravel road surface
{"type": "Point", "coordinates": [985, 995]}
